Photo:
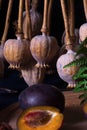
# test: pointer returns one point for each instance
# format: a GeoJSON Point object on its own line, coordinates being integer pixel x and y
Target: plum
{"type": "Point", "coordinates": [41, 95]}
{"type": "Point", "coordinates": [5, 126]}
{"type": "Point", "coordinates": [40, 118]}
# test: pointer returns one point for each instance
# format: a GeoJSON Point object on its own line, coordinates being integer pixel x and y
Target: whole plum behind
{"type": "Point", "coordinates": [41, 95]}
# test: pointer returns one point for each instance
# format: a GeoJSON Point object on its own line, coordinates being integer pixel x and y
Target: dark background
{"type": "Point", "coordinates": [12, 78]}
{"type": "Point", "coordinates": [57, 25]}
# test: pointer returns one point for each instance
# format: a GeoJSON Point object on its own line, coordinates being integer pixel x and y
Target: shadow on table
{"type": "Point", "coordinates": [74, 119]}
{"type": "Point", "coordinates": [12, 80]}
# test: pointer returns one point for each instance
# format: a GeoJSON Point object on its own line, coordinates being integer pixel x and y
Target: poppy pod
{"type": "Point", "coordinates": [33, 75]}
{"type": "Point", "coordinates": [36, 19]}
{"type": "Point", "coordinates": [42, 48]}
{"type": "Point", "coordinates": [16, 51]}
{"type": "Point", "coordinates": [67, 73]}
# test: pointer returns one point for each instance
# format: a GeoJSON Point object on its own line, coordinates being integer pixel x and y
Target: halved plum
{"type": "Point", "coordinates": [40, 118]}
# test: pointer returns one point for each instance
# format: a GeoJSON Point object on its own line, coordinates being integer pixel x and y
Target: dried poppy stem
{"type": "Point", "coordinates": [7, 21]}
{"type": "Point", "coordinates": [44, 28]}
{"type": "Point", "coordinates": [71, 18]}
{"type": "Point", "coordinates": [20, 17]}
{"type": "Point", "coordinates": [28, 34]}
{"type": "Point", "coordinates": [66, 24]}
{"type": "Point", "coordinates": [85, 8]}
{"type": "Point", "coordinates": [49, 15]}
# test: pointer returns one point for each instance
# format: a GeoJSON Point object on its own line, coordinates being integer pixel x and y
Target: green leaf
{"type": "Point", "coordinates": [84, 76]}
{"type": "Point", "coordinates": [84, 95]}
{"type": "Point", "coordinates": [81, 50]}
{"type": "Point", "coordinates": [80, 86]}
{"type": "Point", "coordinates": [83, 43]}
{"type": "Point", "coordinates": [81, 74]}
{"type": "Point", "coordinates": [79, 90]}
{"type": "Point", "coordinates": [82, 47]}
{"type": "Point", "coordinates": [77, 62]}
{"type": "Point", "coordinates": [83, 101]}
{"type": "Point", "coordinates": [80, 71]}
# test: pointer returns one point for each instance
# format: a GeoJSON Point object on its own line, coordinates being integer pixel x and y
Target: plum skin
{"type": "Point", "coordinates": [41, 95]}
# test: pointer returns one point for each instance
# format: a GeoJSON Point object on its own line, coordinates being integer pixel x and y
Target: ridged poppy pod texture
{"type": "Point", "coordinates": [83, 32]}
{"type": "Point", "coordinates": [41, 47]}
{"type": "Point", "coordinates": [74, 39]}
{"type": "Point", "coordinates": [36, 22]}
{"type": "Point", "coordinates": [67, 73]}
{"type": "Point", "coordinates": [63, 40]}
{"type": "Point", "coordinates": [17, 52]}
{"type": "Point", "coordinates": [54, 50]}
{"type": "Point", "coordinates": [33, 75]}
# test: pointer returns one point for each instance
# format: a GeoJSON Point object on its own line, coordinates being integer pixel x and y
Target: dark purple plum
{"type": "Point", "coordinates": [5, 126]}
{"type": "Point", "coordinates": [42, 95]}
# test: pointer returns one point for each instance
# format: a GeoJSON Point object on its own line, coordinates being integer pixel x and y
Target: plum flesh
{"type": "Point", "coordinates": [37, 118]}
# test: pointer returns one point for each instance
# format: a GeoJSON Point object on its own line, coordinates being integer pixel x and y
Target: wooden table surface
{"type": "Point", "coordinates": [74, 118]}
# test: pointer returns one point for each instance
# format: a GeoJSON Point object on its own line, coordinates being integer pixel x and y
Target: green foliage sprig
{"type": "Point", "coordinates": [81, 74]}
